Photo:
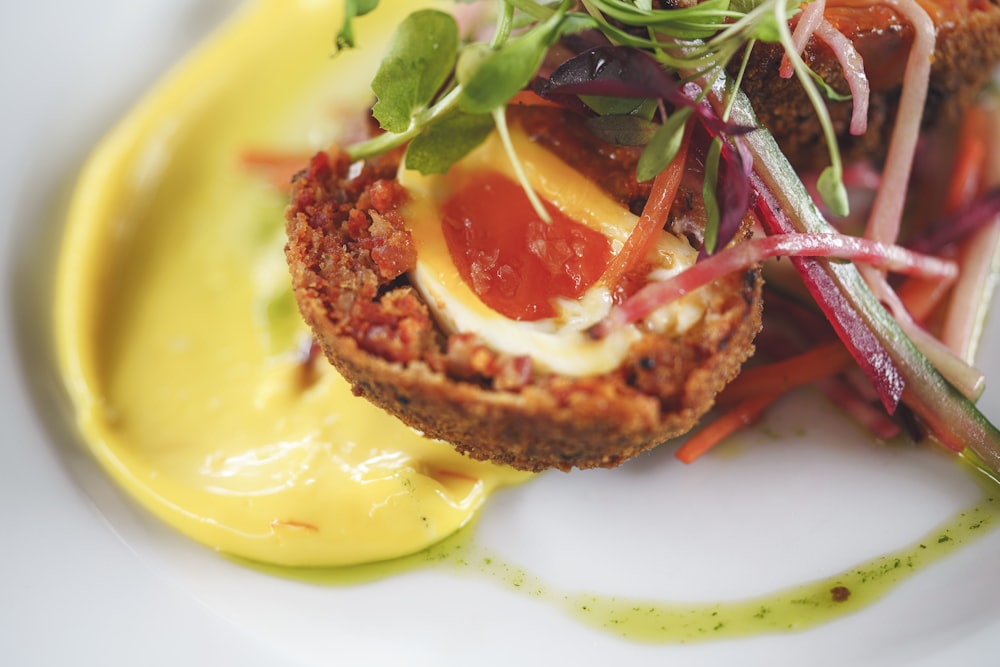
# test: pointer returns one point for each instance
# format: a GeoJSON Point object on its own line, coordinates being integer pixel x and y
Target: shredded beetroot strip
{"type": "Point", "coordinates": [744, 255]}
{"type": "Point", "coordinates": [885, 354]}
{"type": "Point", "coordinates": [850, 325]}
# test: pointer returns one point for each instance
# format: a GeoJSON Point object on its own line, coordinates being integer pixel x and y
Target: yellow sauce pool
{"type": "Point", "coordinates": [178, 337]}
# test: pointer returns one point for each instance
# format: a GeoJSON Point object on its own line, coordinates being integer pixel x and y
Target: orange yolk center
{"type": "Point", "coordinates": [512, 259]}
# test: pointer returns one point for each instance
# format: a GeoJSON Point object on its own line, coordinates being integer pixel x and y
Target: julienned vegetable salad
{"type": "Point", "coordinates": [903, 290]}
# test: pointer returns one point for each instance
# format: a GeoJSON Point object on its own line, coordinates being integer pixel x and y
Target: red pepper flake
{"type": "Point", "coordinates": [840, 593]}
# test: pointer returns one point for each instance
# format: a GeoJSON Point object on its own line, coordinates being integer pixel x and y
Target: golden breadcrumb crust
{"type": "Point", "coordinates": [349, 250]}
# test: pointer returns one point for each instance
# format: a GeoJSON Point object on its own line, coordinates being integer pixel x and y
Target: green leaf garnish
{"type": "Point", "coordinates": [419, 61]}
{"type": "Point", "coordinates": [831, 188]}
{"type": "Point", "coordinates": [663, 147]}
{"type": "Point", "coordinates": [620, 106]}
{"type": "Point", "coordinates": [766, 30]}
{"type": "Point", "coordinates": [628, 130]}
{"type": "Point", "coordinates": [447, 141]}
{"type": "Point", "coordinates": [424, 77]}
{"type": "Point", "coordinates": [498, 75]}
{"type": "Point", "coordinates": [708, 189]}
{"type": "Point", "coordinates": [695, 22]}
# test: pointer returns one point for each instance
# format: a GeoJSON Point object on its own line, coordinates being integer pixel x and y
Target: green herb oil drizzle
{"type": "Point", "coordinates": [671, 622]}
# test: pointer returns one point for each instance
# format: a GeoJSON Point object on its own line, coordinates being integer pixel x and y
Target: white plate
{"type": "Point", "coordinates": [89, 578]}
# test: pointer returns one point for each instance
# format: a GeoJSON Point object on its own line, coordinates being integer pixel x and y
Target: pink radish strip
{"type": "Point", "coordinates": [742, 256]}
{"type": "Point", "coordinates": [809, 20]}
{"type": "Point", "coordinates": [847, 320]}
{"type": "Point", "coordinates": [854, 72]}
{"type": "Point", "coordinates": [886, 215]}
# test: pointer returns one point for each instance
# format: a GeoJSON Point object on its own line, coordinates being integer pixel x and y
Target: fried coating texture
{"type": "Point", "coordinates": [349, 252]}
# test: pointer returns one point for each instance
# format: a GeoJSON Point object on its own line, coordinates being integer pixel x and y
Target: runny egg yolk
{"type": "Point", "coordinates": [515, 261]}
{"type": "Point", "coordinates": [542, 312]}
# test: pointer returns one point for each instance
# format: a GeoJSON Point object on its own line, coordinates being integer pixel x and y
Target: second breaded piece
{"type": "Point", "coordinates": [967, 52]}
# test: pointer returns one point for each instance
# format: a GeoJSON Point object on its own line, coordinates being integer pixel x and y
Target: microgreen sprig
{"type": "Point", "coordinates": [444, 96]}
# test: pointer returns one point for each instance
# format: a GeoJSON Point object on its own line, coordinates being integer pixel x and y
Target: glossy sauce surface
{"type": "Point", "coordinates": [514, 260]}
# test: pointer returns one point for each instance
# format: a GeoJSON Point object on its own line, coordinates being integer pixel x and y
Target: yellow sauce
{"type": "Point", "coordinates": [177, 335]}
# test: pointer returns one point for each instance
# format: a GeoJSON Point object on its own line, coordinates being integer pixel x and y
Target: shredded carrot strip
{"type": "Point", "coordinates": [781, 376]}
{"type": "Point", "coordinates": [922, 295]}
{"type": "Point", "coordinates": [744, 413]}
{"type": "Point", "coordinates": [277, 168]}
{"type": "Point", "coordinates": [652, 220]}
{"type": "Point", "coordinates": [970, 159]}
{"type": "Point", "coordinates": [753, 392]}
